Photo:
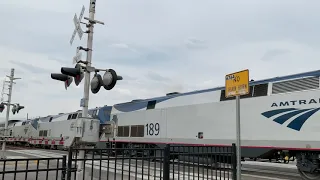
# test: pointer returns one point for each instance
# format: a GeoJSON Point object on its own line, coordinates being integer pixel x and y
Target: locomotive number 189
{"type": "Point", "coordinates": [153, 129]}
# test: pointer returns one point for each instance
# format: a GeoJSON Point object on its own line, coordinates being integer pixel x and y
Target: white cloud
{"type": "Point", "coordinates": [157, 46]}
{"type": "Point", "coordinates": [120, 45]}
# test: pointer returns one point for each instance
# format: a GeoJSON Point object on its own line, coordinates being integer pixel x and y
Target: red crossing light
{"type": "Point", "coordinates": [1, 107]}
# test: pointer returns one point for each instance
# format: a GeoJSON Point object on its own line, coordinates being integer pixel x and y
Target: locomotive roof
{"type": "Point", "coordinates": [251, 83]}
{"type": "Point", "coordinates": [11, 121]}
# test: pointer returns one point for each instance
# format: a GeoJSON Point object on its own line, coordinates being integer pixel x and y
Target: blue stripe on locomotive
{"type": "Point", "coordinates": [103, 113]}
{"type": "Point", "coordinates": [141, 104]}
{"type": "Point", "coordinates": [137, 105]}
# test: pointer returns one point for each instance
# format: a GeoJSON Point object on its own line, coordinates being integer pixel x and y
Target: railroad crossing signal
{"type": "Point", "coordinates": [62, 77]}
{"type": "Point", "coordinates": [108, 81]}
{"type": "Point", "coordinates": [68, 74]}
{"type": "Point", "coordinates": [78, 28]}
{"type": "Point", "coordinates": [96, 83]}
{"type": "Point", "coordinates": [1, 107]}
{"type": "Point", "coordinates": [76, 73]}
{"type": "Point", "coordinates": [16, 108]}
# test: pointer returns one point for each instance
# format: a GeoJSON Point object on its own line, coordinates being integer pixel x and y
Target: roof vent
{"type": "Point", "coordinates": [172, 93]}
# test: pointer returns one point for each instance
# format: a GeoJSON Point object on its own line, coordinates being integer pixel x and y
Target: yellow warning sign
{"type": "Point", "coordinates": [237, 83]}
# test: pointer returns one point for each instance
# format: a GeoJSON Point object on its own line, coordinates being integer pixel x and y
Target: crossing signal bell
{"type": "Point", "coordinates": [1, 107]}
{"type": "Point", "coordinates": [16, 108]}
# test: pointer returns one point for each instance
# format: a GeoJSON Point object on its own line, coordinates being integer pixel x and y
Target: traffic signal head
{"type": "Point", "coordinates": [75, 72]}
{"type": "Point", "coordinates": [1, 107]}
{"type": "Point", "coordinates": [78, 78]}
{"type": "Point", "coordinates": [16, 108]}
{"type": "Point", "coordinates": [68, 82]}
{"type": "Point", "coordinates": [59, 77]}
{"type": "Point", "coordinates": [62, 77]}
{"type": "Point", "coordinates": [19, 108]}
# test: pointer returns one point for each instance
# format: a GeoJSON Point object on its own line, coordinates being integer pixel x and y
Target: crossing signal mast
{"type": "Point", "coordinates": [83, 69]}
{"type": "Point", "coordinates": [16, 107]}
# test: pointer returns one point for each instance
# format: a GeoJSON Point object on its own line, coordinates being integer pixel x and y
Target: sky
{"type": "Point", "coordinates": [157, 46]}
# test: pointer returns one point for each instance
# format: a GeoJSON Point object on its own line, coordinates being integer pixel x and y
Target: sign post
{"type": "Point", "coordinates": [237, 84]}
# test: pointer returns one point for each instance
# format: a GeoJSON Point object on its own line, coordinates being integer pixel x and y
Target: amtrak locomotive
{"type": "Point", "coordinates": [279, 115]}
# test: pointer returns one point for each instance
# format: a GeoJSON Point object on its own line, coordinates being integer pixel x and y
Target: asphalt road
{"type": "Point", "coordinates": [138, 169]}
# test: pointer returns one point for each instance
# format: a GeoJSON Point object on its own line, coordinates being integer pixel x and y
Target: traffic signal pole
{"type": "Point", "coordinates": [11, 77]}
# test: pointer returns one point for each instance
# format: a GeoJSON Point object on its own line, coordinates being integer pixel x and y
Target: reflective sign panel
{"type": "Point", "coordinates": [237, 83]}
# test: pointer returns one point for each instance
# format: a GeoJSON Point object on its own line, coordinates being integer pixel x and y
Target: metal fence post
{"type": "Point", "coordinates": [234, 161]}
{"type": "Point", "coordinates": [166, 162]}
{"type": "Point", "coordinates": [69, 163]}
{"type": "Point", "coordinates": [64, 167]}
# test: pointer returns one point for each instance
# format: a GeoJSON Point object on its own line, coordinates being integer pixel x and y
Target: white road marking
{"type": "Point", "coordinates": [38, 153]}
{"type": "Point", "coordinates": [264, 177]}
{"type": "Point", "coordinates": [277, 165]}
{"type": "Point", "coordinates": [16, 157]}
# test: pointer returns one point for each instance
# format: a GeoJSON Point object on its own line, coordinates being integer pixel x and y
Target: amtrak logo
{"type": "Point", "coordinates": [295, 102]}
{"type": "Point", "coordinates": [296, 123]}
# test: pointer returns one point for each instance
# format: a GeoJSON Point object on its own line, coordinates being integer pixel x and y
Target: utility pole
{"type": "Point", "coordinates": [11, 79]}
{"type": "Point", "coordinates": [3, 87]}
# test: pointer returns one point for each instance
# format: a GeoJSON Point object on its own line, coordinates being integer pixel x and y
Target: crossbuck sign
{"type": "Point", "coordinates": [77, 29]}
